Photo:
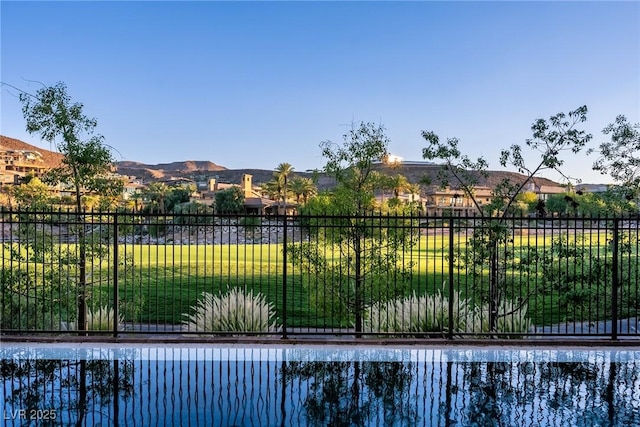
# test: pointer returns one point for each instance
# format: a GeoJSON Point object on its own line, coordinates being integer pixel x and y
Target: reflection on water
{"type": "Point", "coordinates": [243, 387]}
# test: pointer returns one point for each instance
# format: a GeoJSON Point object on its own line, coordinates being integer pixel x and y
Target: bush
{"type": "Point", "coordinates": [512, 319]}
{"type": "Point", "coordinates": [101, 319]}
{"type": "Point", "coordinates": [420, 315]}
{"type": "Point", "coordinates": [251, 222]}
{"type": "Point", "coordinates": [235, 311]}
{"type": "Point", "coordinates": [428, 315]}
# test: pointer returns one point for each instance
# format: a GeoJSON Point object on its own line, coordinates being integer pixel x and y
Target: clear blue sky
{"type": "Point", "coordinates": [251, 85]}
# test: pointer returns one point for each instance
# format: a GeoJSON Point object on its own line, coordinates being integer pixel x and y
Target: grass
{"type": "Point", "coordinates": [164, 281]}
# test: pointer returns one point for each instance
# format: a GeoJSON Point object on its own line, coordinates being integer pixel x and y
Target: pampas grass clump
{"type": "Point", "coordinates": [234, 311]}
{"type": "Point", "coordinates": [101, 319]}
{"type": "Point", "coordinates": [511, 319]}
{"type": "Point", "coordinates": [426, 314]}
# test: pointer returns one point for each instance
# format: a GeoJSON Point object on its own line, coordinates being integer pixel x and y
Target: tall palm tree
{"type": "Point", "coordinates": [282, 173]}
{"type": "Point", "coordinates": [137, 198]}
{"type": "Point", "coordinates": [297, 188]}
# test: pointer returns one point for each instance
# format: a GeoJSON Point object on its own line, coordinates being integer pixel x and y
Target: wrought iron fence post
{"type": "Point", "coordinates": [284, 277]}
{"type": "Point", "coordinates": [451, 254]}
{"type": "Point", "coordinates": [116, 314]}
{"type": "Point", "coordinates": [614, 289]}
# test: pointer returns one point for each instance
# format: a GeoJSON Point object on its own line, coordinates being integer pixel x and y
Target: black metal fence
{"type": "Point", "coordinates": [374, 275]}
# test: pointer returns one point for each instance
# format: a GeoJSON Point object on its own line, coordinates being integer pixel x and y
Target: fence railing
{"type": "Point", "coordinates": [373, 275]}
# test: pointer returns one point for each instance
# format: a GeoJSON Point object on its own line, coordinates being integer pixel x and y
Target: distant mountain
{"type": "Point", "coordinates": [418, 172]}
{"type": "Point", "coordinates": [167, 170]}
{"type": "Point", "coordinates": [51, 159]}
{"type": "Point", "coordinates": [415, 172]}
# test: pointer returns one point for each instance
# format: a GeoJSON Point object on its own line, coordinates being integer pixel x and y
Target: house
{"type": "Point", "coordinates": [254, 202]}
{"type": "Point", "coordinates": [16, 164]}
{"type": "Point", "coordinates": [439, 200]}
{"type": "Point", "coordinates": [544, 191]}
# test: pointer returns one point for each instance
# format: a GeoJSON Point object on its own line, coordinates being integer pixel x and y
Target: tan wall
{"type": "Point", "coordinates": [247, 185]}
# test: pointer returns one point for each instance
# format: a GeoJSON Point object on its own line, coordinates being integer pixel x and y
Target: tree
{"type": "Point", "coordinates": [282, 173]}
{"type": "Point", "coordinates": [178, 195]}
{"type": "Point", "coordinates": [156, 194]}
{"type": "Point", "coordinates": [359, 251]}
{"type": "Point", "coordinates": [271, 189]}
{"type": "Point", "coordinates": [398, 184]}
{"type": "Point", "coordinates": [556, 203]}
{"type": "Point", "coordinates": [32, 195]}
{"type": "Point", "coordinates": [487, 246]}
{"type": "Point", "coordinates": [303, 188]}
{"type": "Point", "coordinates": [620, 157]}
{"type": "Point", "coordinates": [527, 201]}
{"type": "Point", "coordinates": [52, 115]}
{"type": "Point", "coordinates": [229, 201]}
{"type": "Point", "coordinates": [55, 118]}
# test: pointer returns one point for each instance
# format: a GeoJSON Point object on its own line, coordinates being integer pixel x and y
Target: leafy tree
{"type": "Point", "coordinates": [353, 257]}
{"type": "Point", "coordinates": [32, 195]}
{"type": "Point", "coordinates": [178, 195]}
{"type": "Point", "coordinates": [557, 203]}
{"type": "Point", "coordinates": [527, 201]}
{"type": "Point", "coordinates": [55, 118]}
{"type": "Point", "coordinates": [229, 201]}
{"type": "Point", "coordinates": [620, 158]}
{"type": "Point", "coordinates": [52, 115]}
{"type": "Point", "coordinates": [488, 245]}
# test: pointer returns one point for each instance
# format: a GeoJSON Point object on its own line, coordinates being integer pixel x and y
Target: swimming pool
{"type": "Point", "coordinates": [235, 385]}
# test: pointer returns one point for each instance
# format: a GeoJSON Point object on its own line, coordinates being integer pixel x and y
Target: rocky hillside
{"type": "Point", "coordinates": [416, 173]}
{"type": "Point", "coordinates": [51, 159]}
{"type": "Point", "coordinates": [168, 170]}
{"type": "Point", "coordinates": [203, 170]}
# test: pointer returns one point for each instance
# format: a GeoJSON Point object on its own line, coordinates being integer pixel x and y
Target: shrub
{"type": "Point", "coordinates": [420, 315]}
{"type": "Point", "coordinates": [250, 222]}
{"type": "Point", "coordinates": [234, 311]}
{"type": "Point", "coordinates": [101, 319]}
{"type": "Point", "coordinates": [428, 315]}
{"type": "Point", "coordinates": [512, 319]}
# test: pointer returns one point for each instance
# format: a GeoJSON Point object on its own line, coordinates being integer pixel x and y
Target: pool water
{"type": "Point", "coordinates": [52, 384]}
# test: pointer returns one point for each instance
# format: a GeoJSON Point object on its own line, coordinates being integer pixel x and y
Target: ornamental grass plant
{"type": "Point", "coordinates": [101, 319]}
{"type": "Point", "coordinates": [425, 315]}
{"type": "Point", "coordinates": [428, 315]}
{"type": "Point", "coordinates": [234, 311]}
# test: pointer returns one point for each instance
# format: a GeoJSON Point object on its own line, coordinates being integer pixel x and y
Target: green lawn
{"type": "Point", "coordinates": [161, 282]}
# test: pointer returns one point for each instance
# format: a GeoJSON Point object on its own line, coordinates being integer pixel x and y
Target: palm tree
{"type": "Point", "coordinates": [136, 198]}
{"type": "Point", "coordinates": [303, 188]}
{"type": "Point", "coordinates": [399, 183]}
{"type": "Point", "coordinates": [414, 190]}
{"type": "Point", "coordinates": [272, 189]}
{"type": "Point", "coordinates": [282, 175]}
{"type": "Point", "coordinates": [156, 192]}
